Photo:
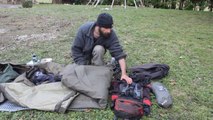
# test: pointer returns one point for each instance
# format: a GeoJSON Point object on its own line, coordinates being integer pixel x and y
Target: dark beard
{"type": "Point", "coordinates": [106, 36]}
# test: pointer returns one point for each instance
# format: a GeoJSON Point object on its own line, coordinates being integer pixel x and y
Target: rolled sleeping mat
{"type": "Point", "coordinates": [164, 99]}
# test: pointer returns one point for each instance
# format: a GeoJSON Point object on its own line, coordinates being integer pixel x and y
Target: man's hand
{"type": "Point", "coordinates": [127, 78]}
{"type": "Point", "coordinates": [124, 76]}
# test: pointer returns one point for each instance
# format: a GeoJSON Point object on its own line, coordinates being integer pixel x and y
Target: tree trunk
{"type": "Point", "coordinates": [194, 4]}
{"type": "Point", "coordinates": [181, 4]}
{"type": "Point", "coordinates": [173, 5]}
{"type": "Point", "coordinates": [211, 5]}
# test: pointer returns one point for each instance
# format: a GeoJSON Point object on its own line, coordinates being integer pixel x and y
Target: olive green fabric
{"type": "Point", "coordinates": [41, 97]}
{"type": "Point", "coordinates": [92, 81]}
{"type": "Point", "coordinates": [7, 74]}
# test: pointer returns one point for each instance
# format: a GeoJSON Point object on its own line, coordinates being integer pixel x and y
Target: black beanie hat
{"type": "Point", "coordinates": [104, 20]}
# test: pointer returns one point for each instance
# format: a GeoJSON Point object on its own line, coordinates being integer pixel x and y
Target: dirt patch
{"type": "Point", "coordinates": [42, 36]}
{"type": "Point", "coordinates": [10, 6]}
{"type": "Point", "coordinates": [20, 30]}
{"type": "Point", "coordinates": [3, 31]}
{"type": "Point", "coordinates": [3, 16]}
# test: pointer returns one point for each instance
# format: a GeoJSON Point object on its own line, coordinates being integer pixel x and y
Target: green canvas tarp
{"type": "Point", "coordinates": [81, 87]}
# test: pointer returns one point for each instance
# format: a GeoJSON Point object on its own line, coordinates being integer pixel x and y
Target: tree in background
{"type": "Point", "coordinates": [211, 5]}
{"type": "Point", "coordinates": [202, 4]}
{"type": "Point", "coordinates": [199, 3]}
{"type": "Point", "coordinates": [173, 4]}
{"type": "Point", "coordinates": [181, 3]}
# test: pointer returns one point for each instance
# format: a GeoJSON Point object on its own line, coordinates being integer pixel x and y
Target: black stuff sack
{"type": "Point", "coordinates": [152, 70]}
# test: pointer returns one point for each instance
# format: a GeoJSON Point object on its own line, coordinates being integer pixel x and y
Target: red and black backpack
{"type": "Point", "coordinates": [128, 108]}
{"type": "Point", "coordinates": [130, 101]}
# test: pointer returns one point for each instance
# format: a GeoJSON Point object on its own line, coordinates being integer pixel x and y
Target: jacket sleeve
{"type": "Point", "coordinates": [77, 49]}
{"type": "Point", "coordinates": [115, 48]}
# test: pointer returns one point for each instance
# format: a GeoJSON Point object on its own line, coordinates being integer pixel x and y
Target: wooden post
{"type": "Point", "coordinates": [125, 4]}
{"type": "Point", "coordinates": [142, 5]}
{"type": "Point", "coordinates": [135, 4]}
{"type": "Point", "coordinates": [112, 3]}
{"type": "Point", "coordinates": [97, 3]}
{"type": "Point", "coordinates": [89, 2]}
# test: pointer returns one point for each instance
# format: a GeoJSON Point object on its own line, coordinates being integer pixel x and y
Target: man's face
{"type": "Point", "coordinates": [105, 32]}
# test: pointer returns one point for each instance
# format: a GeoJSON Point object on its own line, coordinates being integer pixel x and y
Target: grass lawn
{"type": "Point", "coordinates": [181, 39]}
